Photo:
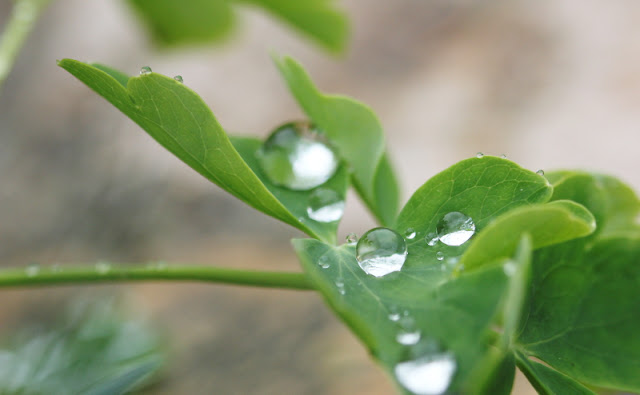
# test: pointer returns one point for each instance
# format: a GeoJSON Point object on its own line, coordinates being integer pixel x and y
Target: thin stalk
{"type": "Point", "coordinates": [23, 18]}
{"type": "Point", "coordinates": [107, 272]}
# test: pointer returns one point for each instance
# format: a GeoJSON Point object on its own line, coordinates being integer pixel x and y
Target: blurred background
{"type": "Point", "coordinates": [551, 84]}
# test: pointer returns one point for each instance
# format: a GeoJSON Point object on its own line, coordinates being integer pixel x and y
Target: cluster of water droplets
{"type": "Point", "coordinates": [381, 251]}
{"type": "Point", "coordinates": [297, 156]}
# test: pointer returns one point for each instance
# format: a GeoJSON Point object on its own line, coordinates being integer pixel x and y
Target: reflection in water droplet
{"type": "Point", "coordinates": [431, 239]}
{"type": "Point", "coordinates": [325, 205]}
{"type": "Point", "coordinates": [324, 262]}
{"type": "Point", "coordinates": [455, 228]}
{"type": "Point", "coordinates": [145, 70]}
{"type": "Point", "coordinates": [32, 270]}
{"type": "Point", "coordinates": [510, 268]}
{"type": "Point", "coordinates": [430, 375]}
{"type": "Point", "coordinates": [297, 156]}
{"type": "Point", "coordinates": [540, 172]}
{"type": "Point", "coordinates": [352, 238]}
{"type": "Point", "coordinates": [381, 251]}
{"type": "Point", "coordinates": [178, 78]}
{"type": "Point", "coordinates": [410, 234]}
{"type": "Point", "coordinates": [479, 155]}
{"type": "Point", "coordinates": [439, 255]}
{"type": "Point", "coordinates": [408, 338]}
{"type": "Point", "coordinates": [103, 267]}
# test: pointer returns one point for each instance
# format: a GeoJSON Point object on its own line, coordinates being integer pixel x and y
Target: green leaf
{"type": "Point", "coordinates": [201, 21]}
{"type": "Point", "coordinates": [295, 201]}
{"type": "Point", "coordinates": [97, 350]}
{"type": "Point", "coordinates": [548, 224]}
{"type": "Point", "coordinates": [178, 119]}
{"type": "Point", "coordinates": [451, 312]}
{"type": "Point", "coordinates": [582, 313]}
{"type": "Point", "coordinates": [355, 131]}
{"type": "Point", "coordinates": [548, 381]}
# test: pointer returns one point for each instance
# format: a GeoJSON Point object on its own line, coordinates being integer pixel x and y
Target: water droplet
{"type": "Point", "coordinates": [430, 375]}
{"type": "Point", "coordinates": [297, 156]}
{"type": "Point", "coordinates": [179, 78]}
{"type": "Point", "coordinates": [455, 228]}
{"type": "Point", "coordinates": [145, 70]}
{"type": "Point", "coordinates": [410, 234]}
{"type": "Point", "coordinates": [439, 255]}
{"type": "Point", "coordinates": [479, 155]}
{"type": "Point", "coordinates": [32, 270]}
{"type": "Point", "coordinates": [510, 268]}
{"type": "Point", "coordinates": [324, 262]}
{"type": "Point", "coordinates": [158, 266]}
{"type": "Point", "coordinates": [55, 268]}
{"type": "Point", "coordinates": [408, 338]}
{"type": "Point", "coordinates": [394, 316]}
{"type": "Point", "coordinates": [503, 156]}
{"type": "Point", "coordinates": [540, 172]}
{"type": "Point", "coordinates": [340, 285]}
{"type": "Point", "coordinates": [431, 239]}
{"type": "Point", "coordinates": [352, 238]}
{"type": "Point", "coordinates": [103, 267]}
{"type": "Point", "coordinates": [381, 251]}
{"type": "Point", "coordinates": [325, 205]}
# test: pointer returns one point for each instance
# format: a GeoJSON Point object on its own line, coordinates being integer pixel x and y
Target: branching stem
{"type": "Point", "coordinates": [158, 271]}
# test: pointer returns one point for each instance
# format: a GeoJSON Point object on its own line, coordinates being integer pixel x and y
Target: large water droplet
{"type": "Point", "coordinates": [297, 156]}
{"type": "Point", "coordinates": [455, 228]}
{"type": "Point", "coordinates": [325, 205]}
{"type": "Point", "coordinates": [145, 70]}
{"type": "Point", "coordinates": [408, 338]}
{"type": "Point", "coordinates": [410, 234]}
{"type": "Point", "coordinates": [430, 375]}
{"type": "Point", "coordinates": [179, 78]}
{"type": "Point", "coordinates": [381, 251]}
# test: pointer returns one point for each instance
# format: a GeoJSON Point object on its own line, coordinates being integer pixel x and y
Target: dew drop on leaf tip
{"type": "Point", "coordinates": [428, 375]}
{"type": "Point", "coordinates": [325, 205]}
{"type": "Point", "coordinates": [297, 156]}
{"type": "Point", "coordinates": [381, 251]}
{"type": "Point", "coordinates": [145, 70]}
{"type": "Point", "coordinates": [455, 228]}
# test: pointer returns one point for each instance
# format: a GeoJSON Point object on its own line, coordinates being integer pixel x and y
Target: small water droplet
{"type": "Point", "coordinates": [381, 251]}
{"type": "Point", "coordinates": [455, 228]}
{"type": "Point", "coordinates": [439, 255]}
{"type": "Point", "coordinates": [408, 338]}
{"type": "Point", "coordinates": [103, 267]}
{"type": "Point", "coordinates": [297, 156]}
{"type": "Point", "coordinates": [158, 266]}
{"type": "Point", "coordinates": [510, 268]}
{"type": "Point", "coordinates": [145, 70]}
{"type": "Point", "coordinates": [32, 269]}
{"type": "Point", "coordinates": [325, 205]}
{"type": "Point", "coordinates": [540, 172]}
{"type": "Point", "coordinates": [410, 234]}
{"type": "Point", "coordinates": [431, 239]}
{"type": "Point", "coordinates": [479, 155]}
{"type": "Point", "coordinates": [352, 238]}
{"type": "Point", "coordinates": [340, 285]}
{"type": "Point", "coordinates": [179, 79]}
{"type": "Point", "coordinates": [394, 316]}
{"type": "Point", "coordinates": [55, 268]}
{"type": "Point", "coordinates": [324, 262]}
{"type": "Point", "coordinates": [429, 375]}
{"type": "Point", "coordinates": [503, 156]}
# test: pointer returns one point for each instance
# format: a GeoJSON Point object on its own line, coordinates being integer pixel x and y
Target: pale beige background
{"type": "Point", "coordinates": [551, 84]}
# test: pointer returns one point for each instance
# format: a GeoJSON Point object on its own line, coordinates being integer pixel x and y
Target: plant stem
{"type": "Point", "coordinates": [106, 272]}
{"type": "Point", "coordinates": [23, 18]}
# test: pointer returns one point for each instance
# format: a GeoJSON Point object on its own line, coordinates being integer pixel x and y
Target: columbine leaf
{"type": "Point", "coordinates": [450, 312]}
{"type": "Point", "coordinates": [547, 224]}
{"type": "Point", "coordinates": [96, 351]}
{"type": "Point", "coordinates": [582, 313]}
{"type": "Point", "coordinates": [201, 21]}
{"type": "Point", "coordinates": [357, 134]}
{"type": "Point", "coordinates": [179, 120]}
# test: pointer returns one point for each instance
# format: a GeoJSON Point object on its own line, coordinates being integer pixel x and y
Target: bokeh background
{"type": "Point", "coordinates": [551, 84]}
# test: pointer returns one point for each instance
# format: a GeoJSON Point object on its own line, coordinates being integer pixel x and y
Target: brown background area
{"type": "Point", "coordinates": [551, 84]}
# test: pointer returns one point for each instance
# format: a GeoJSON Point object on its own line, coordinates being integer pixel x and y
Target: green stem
{"type": "Point", "coordinates": [23, 18]}
{"type": "Point", "coordinates": [107, 272]}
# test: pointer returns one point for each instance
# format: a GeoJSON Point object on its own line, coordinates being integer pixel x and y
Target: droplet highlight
{"type": "Point", "coordinates": [410, 234]}
{"type": "Point", "coordinates": [340, 286]}
{"type": "Point", "coordinates": [325, 205]}
{"type": "Point", "coordinates": [179, 79]}
{"type": "Point", "coordinates": [439, 255]}
{"type": "Point", "coordinates": [324, 262]}
{"type": "Point", "coordinates": [145, 70]}
{"type": "Point", "coordinates": [381, 251]}
{"type": "Point", "coordinates": [408, 338]}
{"type": "Point", "coordinates": [32, 270]}
{"type": "Point", "coordinates": [431, 239]}
{"type": "Point", "coordinates": [297, 156]}
{"type": "Point", "coordinates": [479, 155]}
{"type": "Point", "coordinates": [429, 375]}
{"type": "Point", "coordinates": [540, 172]}
{"type": "Point", "coordinates": [509, 268]}
{"type": "Point", "coordinates": [455, 228]}
{"type": "Point", "coordinates": [352, 238]}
